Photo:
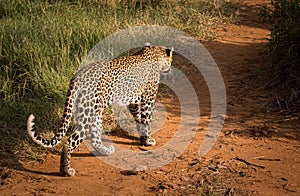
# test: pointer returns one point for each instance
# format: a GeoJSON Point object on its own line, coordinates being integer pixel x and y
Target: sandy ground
{"type": "Point", "coordinates": [257, 152]}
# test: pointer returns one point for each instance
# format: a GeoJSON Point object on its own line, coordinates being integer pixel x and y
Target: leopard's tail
{"type": "Point", "coordinates": [69, 104]}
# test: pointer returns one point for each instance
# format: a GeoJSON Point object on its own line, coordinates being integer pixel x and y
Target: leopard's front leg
{"type": "Point", "coordinates": [142, 110]}
{"type": "Point", "coordinates": [145, 135]}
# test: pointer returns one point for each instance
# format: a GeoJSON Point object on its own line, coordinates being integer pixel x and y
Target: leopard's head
{"type": "Point", "coordinates": [159, 54]}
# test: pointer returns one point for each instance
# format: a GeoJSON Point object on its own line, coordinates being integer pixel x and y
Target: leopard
{"type": "Point", "coordinates": [131, 81]}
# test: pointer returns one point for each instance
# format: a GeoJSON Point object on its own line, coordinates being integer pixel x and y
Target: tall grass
{"type": "Point", "coordinates": [43, 42]}
{"type": "Point", "coordinates": [284, 47]}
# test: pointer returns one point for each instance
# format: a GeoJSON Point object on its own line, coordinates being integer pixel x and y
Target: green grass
{"type": "Point", "coordinates": [283, 17]}
{"type": "Point", "coordinates": [43, 42]}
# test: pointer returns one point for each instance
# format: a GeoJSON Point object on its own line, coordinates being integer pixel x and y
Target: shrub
{"type": "Point", "coordinates": [284, 45]}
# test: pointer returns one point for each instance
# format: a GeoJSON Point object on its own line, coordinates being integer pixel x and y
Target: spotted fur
{"type": "Point", "coordinates": [131, 81]}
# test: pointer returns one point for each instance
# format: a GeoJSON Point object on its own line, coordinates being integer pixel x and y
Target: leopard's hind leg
{"type": "Point", "coordinates": [96, 131]}
{"type": "Point", "coordinates": [76, 138]}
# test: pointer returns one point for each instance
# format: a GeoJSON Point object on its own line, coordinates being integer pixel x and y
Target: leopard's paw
{"type": "Point", "coordinates": [147, 141]}
{"type": "Point", "coordinates": [106, 150]}
{"type": "Point", "coordinates": [67, 171]}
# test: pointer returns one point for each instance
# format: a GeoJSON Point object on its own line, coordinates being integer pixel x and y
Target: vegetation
{"type": "Point", "coordinates": [43, 42]}
{"type": "Point", "coordinates": [284, 46]}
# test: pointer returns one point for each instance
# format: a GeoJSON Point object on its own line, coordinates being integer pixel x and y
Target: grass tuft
{"type": "Point", "coordinates": [284, 46]}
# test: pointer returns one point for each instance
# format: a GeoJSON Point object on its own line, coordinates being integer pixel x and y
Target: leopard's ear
{"type": "Point", "coordinates": [169, 51]}
{"type": "Point", "coordinates": [147, 44]}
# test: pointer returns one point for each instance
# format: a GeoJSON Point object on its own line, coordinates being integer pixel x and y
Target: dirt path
{"type": "Point", "coordinates": [257, 152]}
